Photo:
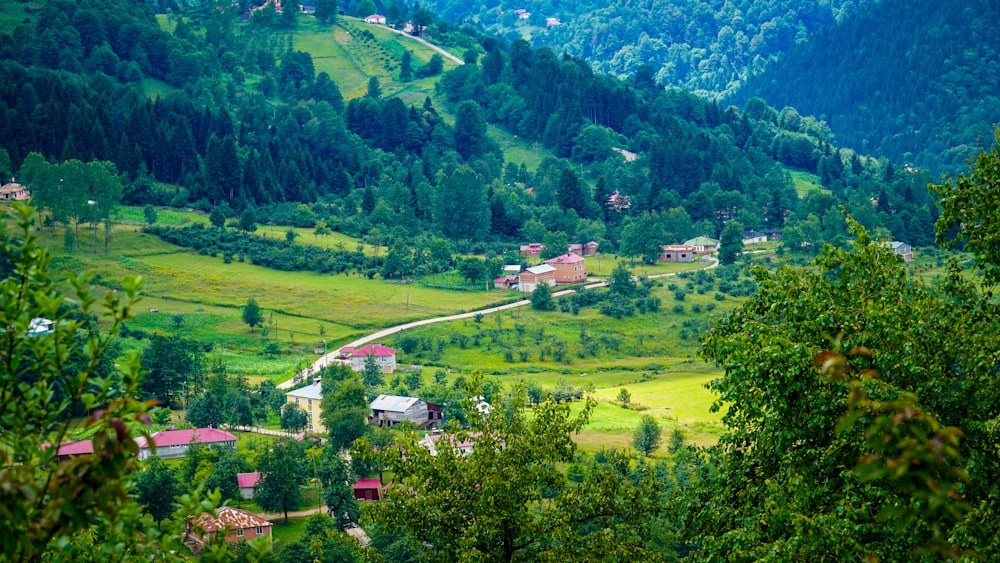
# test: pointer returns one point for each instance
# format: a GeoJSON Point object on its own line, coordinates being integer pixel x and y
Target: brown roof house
{"type": "Point", "coordinates": [530, 279]}
{"type": "Point", "coordinates": [570, 268]}
{"type": "Point", "coordinates": [676, 253]}
{"type": "Point", "coordinates": [14, 192]}
{"type": "Point", "coordinates": [237, 525]}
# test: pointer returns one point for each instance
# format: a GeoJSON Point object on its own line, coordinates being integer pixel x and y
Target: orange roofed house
{"type": "Point", "coordinates": [569, 268]}
{"type": "Point", "coordinates": [237, 525]}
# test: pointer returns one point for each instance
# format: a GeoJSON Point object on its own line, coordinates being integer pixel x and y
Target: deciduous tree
{"type": "Point", "coordinates": [283, 471]}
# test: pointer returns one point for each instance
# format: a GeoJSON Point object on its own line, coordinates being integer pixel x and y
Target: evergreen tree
{"type": "Point", "coordinates": [406, 66]}
{"type": "Point", "coordinates": [731, 242]}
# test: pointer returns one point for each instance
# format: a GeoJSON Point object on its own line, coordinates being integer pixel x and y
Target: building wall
{"type": "Point", "coordinates": [312, 409]}
{"type": "Point", "coordinates": [236, 534]}
{"type": "Point", "coordinates": [386, 363]}
{"type": "Point", "coordinates": [570, 273]}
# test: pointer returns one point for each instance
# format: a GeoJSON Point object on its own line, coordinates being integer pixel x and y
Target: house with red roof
{"type": "Point", "coordinates": [237, 524]}
{"type": "Point", "coordinates": [368, 489]}
{"type": "Point", "coordinates": [67, 450]}
{"type": "Point", "coordinates": [247, 483]}
{"type": "Point", "coordinates": [384, 356]}
{"type": "Point", "coordinates": [533, 250]}
{"type": "Point", "coordinates": [570, 268]}
{"type": "Point", "coordinates": [375, 19]}
{"type": "Point", "coordinates": [506, 282]}
{"type": "Point", "coordinates": [175, 443]}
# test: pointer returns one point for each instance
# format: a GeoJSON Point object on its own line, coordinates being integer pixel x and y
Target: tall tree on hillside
{"type": "Point", "coordinates": [730, 242]}
{"type": "Point", "coordinates": [572, 193]}
{"type": "Point", "coordinates": [647, 436]}
{"type": "Point", "coordinates": [252, 315]}
{"type": "Point", "coordinates": [171, 362]}
{"type": "Point", "coordinates": [470, 130]}
{"type": "Point", "coordinates": [344, 409]}
{"type": "Point", "coordinates": [326, 11]}
{"type": "Point", "coordinates": [460, 205]}
{"type": "Point", "coordinates": [156, 487]}
{"type": "Point", "coordinates": [283, 471]}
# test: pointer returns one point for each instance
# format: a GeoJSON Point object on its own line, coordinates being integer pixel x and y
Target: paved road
{"type": "Point", "coordinates": [331, 357]}
{"type": "Point", "coordinates": [444, 53]}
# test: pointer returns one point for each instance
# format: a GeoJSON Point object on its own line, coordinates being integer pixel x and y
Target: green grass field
{"type": "Point", "coordinates": [805, 182]}
{"type": "Point", "coordinates": [12, 14]}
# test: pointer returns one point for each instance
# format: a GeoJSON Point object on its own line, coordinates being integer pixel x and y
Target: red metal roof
{"type": "Point", "coordinates": [376, 350]}
{"type": "Point", "coordinates": [247, 480]}
{"type": "Point", "coordinates": [80, 447]}
{"type": "Point", "coordinates": [169, 438]}
{"type": "Point", "coordinates": [367, 484]}
{"type": "Point", "coordinates": [568, 258]}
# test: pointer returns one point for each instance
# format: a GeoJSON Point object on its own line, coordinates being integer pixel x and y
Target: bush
{"type": "Point", "coordinates": [679, 295]}
{"type": "Point", "coordinates": [719, 297]}
{"type": "Point", "coordinates": [678, 309]}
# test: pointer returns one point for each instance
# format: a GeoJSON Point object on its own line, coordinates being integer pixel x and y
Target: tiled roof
{"type": "Point", "coordinates": [568, 258]}
{"type": "Point", "coordinates": [314, 391]}
{"type": "Point", "coordinates": [392, 403]}
{"type": "Point", "coordinates": [376, 350]}
{"type": "Point", "coordinates": [702, 241]}
{"type": "Point", "coordinates": [169, 438]}
{"type": "Point", "coordinates": [227, 516]}
{"type": "Point", "coordinates": [247, 480]}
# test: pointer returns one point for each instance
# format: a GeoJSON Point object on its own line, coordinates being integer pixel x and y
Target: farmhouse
{"type": "Point", "coordinates": [390, 410]}
{"type": "Point", "coordinates": [505, 282]}
{"type": "Point", "coordinates": [460, 447]}
{"type": "Point", "coordinates": [247, 483]}
{"type": "Point", "coordinates": [532, 277]}
{"type": "Point", "coordinates": [570, 268]}
{"type": "Point", "coordinates": [175, 443]}
{"type": "Point", "coordinates": [375, 19]}
{"type": "Point", "coordinates": [753, 237]}
{"type": "Point", "coordinates": [902, 249]}
{"type": "Point", "coordinates": [238, 525]}
{"type": "Point", "coordinates": [676, 253]}
{"type": "Point", "coordinates": [308, 399]}
{"type": "Point", "coordinates": [384, 356]}
{"type": "Point", "coordinates": [703, 245]}
{"type": "Point", "coordinates": [367, 489]}
{"type": "Point", "coordinates": [533, 250]}
{"type": "Point", "coordinates": [14, 192]}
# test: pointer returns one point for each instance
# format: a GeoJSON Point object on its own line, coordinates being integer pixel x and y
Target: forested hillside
{"type": "Point", "coordinates": [693, 44]}
{"type": "Point", "coordinates": [916, 82]}
{"type": "Point", "coordinates": [248, 122]}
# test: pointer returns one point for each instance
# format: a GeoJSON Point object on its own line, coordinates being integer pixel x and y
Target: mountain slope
{"type": "Point", "coordinates": [694, 44]}
{"type": "Point", "coordinates": [917, 82]}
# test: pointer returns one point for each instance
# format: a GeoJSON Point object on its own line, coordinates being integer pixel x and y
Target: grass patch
{"type": "Point", "coordinates": [806, 182]}
{"type": "Point", "coordinates": [13, 14]}
{"type": "Point", "coordinates": [601, 265]}
{"type": "Point", "coordinates": [154, 88]}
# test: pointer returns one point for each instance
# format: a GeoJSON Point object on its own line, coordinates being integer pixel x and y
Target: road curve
{"type": "Point", "coordinates": [327, 359]}
{"type": "Point", "coordinates": [444, 53]}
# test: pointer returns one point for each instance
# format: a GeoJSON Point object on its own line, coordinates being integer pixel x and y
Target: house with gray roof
{"type": "Point", "coordinates": [390, 410]}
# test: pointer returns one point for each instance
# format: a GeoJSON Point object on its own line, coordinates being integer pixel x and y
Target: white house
{"type": "Point", "coordinates": [384, 356]}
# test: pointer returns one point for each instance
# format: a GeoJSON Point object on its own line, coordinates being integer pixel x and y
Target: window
{"type": "Point", "coordinates": [310, 402]}
{"type": "Point", "coordinates": [310, 426]}
{"type": "Point", "coordinates": [239, 532]}
{"type": "Point", "coordinates": [260, 530]}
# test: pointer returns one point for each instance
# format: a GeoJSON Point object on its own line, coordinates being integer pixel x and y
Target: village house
{"type": "Point", "coordinates": [175, 443]}
{"type": "Point", "coordinates": [902, 249]}
{"type": "Point", "coordinates": [390, 410]}
{"type": "Point", "coordinates": [67, 450]}
{"type": "Point", "coordinates": [536, 275]}
{"type": "Point", "coordinates": [237, 524]}
{"type": "Point", "coordinates": [505, 282]}
{"type": "Point", "coordinates": [552, 22]}
{"type": "Point", "coordinates": [676, 253]}
{"type": "Point", "coordinates": [570, 268]}
{"type": "Point", "coordinates": [773, 234]}
{"type": "Point", "coordinates": [14, 192]}
{"type": "Point", "coordinates": [368, 489]}
{"type": "Point", "coordinates": [703, 245]}
{"type": "Point", "coordinates": [309, 399]}
{"type": "Point", "coordinates": [753, 237]}
{"type": "Point", "coordinates": [384, 356]}
{"type": "Point", "coordinates": [463, 448]}
{"type": "Point", "coordinates": [375, 19]}
{"type": "Point", "coordinates": [618, 202]}
{"type": "Point", "coordinates": [533, 250]}
{"type": "Point", "coordinates": [247, 483]}
{"type": "Point", "coordinates": [40, 325]}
